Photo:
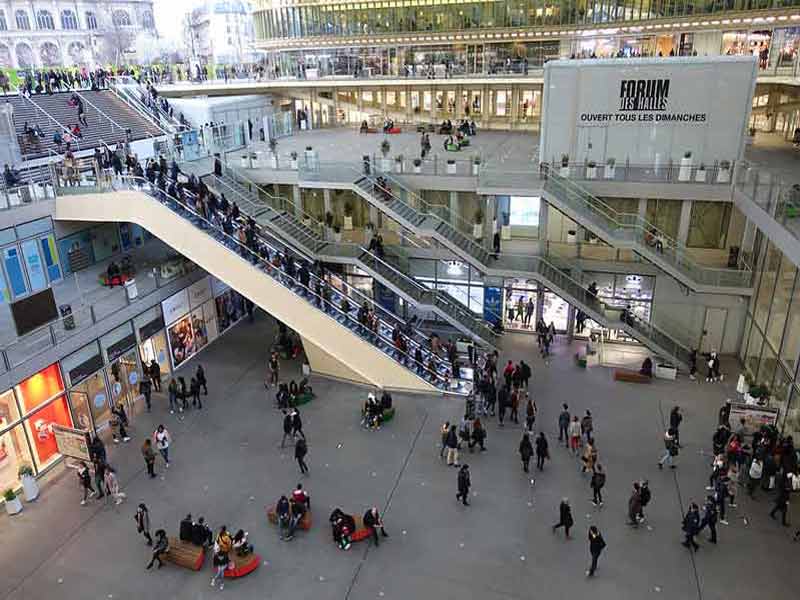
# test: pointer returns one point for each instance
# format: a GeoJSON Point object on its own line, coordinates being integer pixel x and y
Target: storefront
{"type": "Point", "coordinates": [123, 372]}
{"type": "Point", "coordinates": [152, 339]}
{"type": "Point", "coordinates": [229, 305]}
{"type": "Point", "coordinates": [88, 393]}
{"type": "Point", "coordinates": [27, 415]}
{"type": "Point", "coordinates": [748, 42]}
{"type": "Point", "coordinates": [518, 293]}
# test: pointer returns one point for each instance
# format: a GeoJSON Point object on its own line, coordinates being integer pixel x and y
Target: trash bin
{"type": "Point", "coordinates": [66, 315]}
{"type": "Point", "coordinates": [130, 289]}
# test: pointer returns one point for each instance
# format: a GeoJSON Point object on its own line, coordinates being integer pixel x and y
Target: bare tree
{"type": "Point", "coordinates": [116, 43]}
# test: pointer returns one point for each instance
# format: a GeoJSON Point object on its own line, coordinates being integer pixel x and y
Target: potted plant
{"type": "Point", "coordinates": [685, 170]}
{"type": "Point", "coordinates": [477, 227]}
{"type": "Point", "coordinates": [293, 156]}
{"type": "Point", "coordinates": [348, 216]}
{"type": "Point", "coordinates": [417, 165]}
{"type": "Point", "coordinates": [591, 170]}
{"type": "Point", "coordinates": [273, 153]}
{"type": "Point", "coordinates": [564, 165]}
{"type": "Point", "coordinates": [476, 165]}
{"type": "Point", "coordinates": [13, 504]}
{"type": "Point", "coordinates": [337, 234]}
{"type": "Point", "coordinates": [244, 161]}
{"type": "Point", "coordinates": [451, 166]}
{"type": "Point", "coordinates": [254, 164]}
{"type": "Point", "coordinates": [700, 174]}
{"type": "Point", "coordinates": [724, 173]}
{"type": "Point", "coordinates": [610, 170]}
{"type": "Point", "coordinates": [386, 147]}
{"type": "Point", "coordinates": [29, 485]}
{"type": "Point", "coordinates": [572, 236]}
{"type": "Point", "coordinates": [398, 164]}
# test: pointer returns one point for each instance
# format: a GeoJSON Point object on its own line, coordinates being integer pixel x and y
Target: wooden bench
{"type": "Point", "coordinates": [304, 524]}
{"type": "Point", "coordinates": [242, 565]}
{"type": "Point", "coordinates": [185, 554]}
{"type": "Point", "coordinates": [630, 376]}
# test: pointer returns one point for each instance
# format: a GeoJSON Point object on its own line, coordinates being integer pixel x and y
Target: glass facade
{"type": "Point", "coordinates": [300, 19]}
{"type": "Point", "coordinates": [771, 340]}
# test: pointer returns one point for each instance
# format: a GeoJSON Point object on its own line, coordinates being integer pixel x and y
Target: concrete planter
{"type": "Point", "coordinates": [700, 176]}
{"type": "Point", "coordinates": [685, 170]}
{"type": "Point", "coordinates": [451, 167]}
{"type": "Point", "coordinates": [610, 171]}
{"type": "Point", "coordinates": [477, 231]}
{"type": "Point", "coordinates": [30, 488]}
{"type": "Point", "coordinates": [723, 175]}
{"type": "Point", "coordinates": [564, 172]}
{"type": "Point", "coordinates": [591, 172]}
{"type": "Point", "coordinates": [14, 507]}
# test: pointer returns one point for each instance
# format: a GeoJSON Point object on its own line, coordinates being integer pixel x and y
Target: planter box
{"type": "Point", "coordinates": [610, 171]}
{"type": "Point", "coordinates": [398, 166]}
{"type": "Point", "coordinates": [666, 372]}
{"type": "Point", "coordinates": [571, 238]}
{"type": "Point", "coordinates": [700, 176]}
{"type": "Point", "coordinates": [14, 506]}
{"type": "Point", "coordinates": [243, 162]}
{"type": "Point", "coordinates": [505, 232]}
{"type": "Point", "coordinates": [477, 231]}
{"type": "Point", "coordinates": [451, 168]}
{"type": "Point", "coordinates": [591, 172]}
{"type": "Point", "coordinates": [475, 169]}
{"type": "Point", "coordinates": [685, 170]}
{"type": "Point", "coordinates": [417, 169]}
{"type": "Point", "coordinates": [293, 164]}
{"type": "Point", "coordinates": [723, 175]}
{"type": "Point", "coordinates": [348, 223]}
{"type": "Point", "coordinates": [30, 487]}
{"type": "Point", "coordinates": [564, 172]}
{"type": "Point", "coordinates": [273, 161]}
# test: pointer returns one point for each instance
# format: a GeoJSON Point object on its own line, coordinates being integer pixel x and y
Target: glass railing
{"type": "Point", "coordinates": [778, 198]}
{"type": "Point", "coordinates": [325, 291]}
{"type": "Point", "coordinates": [627, 172]}
{"type": "Point", "coordinates": [657, 246]}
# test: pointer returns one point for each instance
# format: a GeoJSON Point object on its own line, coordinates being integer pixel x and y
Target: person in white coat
{"type": "Point", "coordinates": [162, 440]}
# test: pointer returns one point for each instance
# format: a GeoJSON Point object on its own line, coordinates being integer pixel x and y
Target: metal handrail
{"type": "Point", "coordinates": [119, 86]}
{"type": "Point", "coordinates": [75, 140]}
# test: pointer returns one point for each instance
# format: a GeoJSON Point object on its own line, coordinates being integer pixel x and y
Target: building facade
{"type": "Point", "coordinates": [61, 33]}
{"type": "Point", "coordinates": [221, 32]}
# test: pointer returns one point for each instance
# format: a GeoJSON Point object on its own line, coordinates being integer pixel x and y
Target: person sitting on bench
{"type": "Point", "coordinates": [241, 545]}
{"type": "Point", "coordinates": [201, 533]}
{"type": "Point", "coordinates": [160, 548]}
{"type": "Point", "coordinates": [112, 271]}
{"type": "Point", "coordinates": [372, 521]}
{"type": "Point", "coordinates": [372, 412]}
{"type": "Point", "coordinates": [299, 502]}
{"type": "Point", "coordinates": [223, 543]}
{"type": "Point", "coordinates": [647, 367]}
{"type": "Point", "coordinates": [342, 526]}
{"type": "Point", "coordinates": [284, 515]}
{"type": "Point", "coordinates": [186, 529]}
{"type": "Point", "coordinates": [304, 388]}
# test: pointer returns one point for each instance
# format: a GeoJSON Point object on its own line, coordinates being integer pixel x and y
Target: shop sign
{"type": "Point", "coordinates": [119, 348]}
{"type": "Point", "coordinates": [200, 292]}
{"type": "Point", "coordinates": [72, 442]}
{"type": "Point", "coordinates": [175, 307]}
{"type": "Point", "coordinates": [148, 330]}
{"type": "Point", "coordinates": [492, 304]}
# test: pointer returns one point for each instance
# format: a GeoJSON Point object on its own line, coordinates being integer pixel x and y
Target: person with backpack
{"type": "Point", "coordinates": [587, 425]}
{"type": "Point", "coordinates": [297, 424]}
{"type": "Point", "coordinates": [525, 451]}
{"type": "Point", "coordinates": [596, 546]}
{"type": "Point", "coordinates": [542, 451]}
{"type": "Point", "coordinates": [691, 526]}
{"type": "Point", "coordinates": [670, 450]}
{"type": "Point", "coordinates": [597, 482]}
{"type": "Point", "coordinates": [464, 483]}
{"type": "Point", "coordinates": [122, 421]}
{"type": "Point", "coordinates": [563, 425]}
{"type": "Point", "coordinates": [452, 446]}
{"type": "Point", "coordinates": [300, 451]}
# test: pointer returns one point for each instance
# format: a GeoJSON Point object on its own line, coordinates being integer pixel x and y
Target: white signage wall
{"type": "Point", "coordinates": [647, 111]}
{"type": "Point", "coordinates": [175, 306]}
{"type": "Point", "coordinates": [200, 292]}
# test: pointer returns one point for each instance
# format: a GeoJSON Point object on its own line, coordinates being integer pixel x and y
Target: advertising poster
{"type": "Point", "coordinates": [199, 329]}
{"type": "Point", "coordinates": [72, 442]}
{"type": "Point", "coordinates": [175, 307]}
{"type": "Point", "coordinates": [181, 340]}
{"type": "Point", "coordinates": [492, 304]}
{"type": "Point", "coordinates": [754, 416]}
{"type": "Point", "coordinates": [210, 316]}
{"type": "Point", "coordinates": [230, 308]}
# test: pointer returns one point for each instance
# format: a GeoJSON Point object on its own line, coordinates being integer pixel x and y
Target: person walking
{"type": "Point", "coordinates": [530, 415]}
{"type": "Point", "coordinates": [121, 419]}
{"type": "Point", "coordinates": [670, 450]}
{"type": "Point", "coordinates": [160, 548]}
{"type": "Point", "coordinates": [645, 496]}
{"type": "Point", "coordinates": [163, 441]}
{"type": "Point", "coordinates": [634, 505]}
{"type": "Point", "coordinates": [146, 389]}
{"type": "Point", "coordinates": [597, 483]}
{"type": "Point", "coordinates": [172, 392]}
{"type": "Point", "coordinates": [200, 376]}
{"type": "Point", "coordinates": [564, 517]}
{"type": "Point", "coordinates": [287, 427]}
{"type": "Point", "coordinates": [194, 392]}
{"type": "Point", "coordinates": [149, 457]}
{"type": "Point", "coordinates": [721, 497]}
{"type": "Point", "coordinates": [525, 451]}
{"type": "Point", "coordinates": [220, 563]}
{"type": "Point", "coordinates": [563, 425]}
{"type": "Point", "coordinates": [542, 451]}
{"type": "Point", "coordinates": [273, 368]}
{"type": "Point", "coordinates": [675, 418]}
{"type": "Point", "coordinates": [99, 476]}
{"type": "Point", "coordinates": [142, 518]}
{"type": "Point", "coordinates": [515, 399]}
{"type": "Point", "coordinates": [587, 426]}
{"type": "Point", "coordinates": [444, 432]}
{"type": "Point", "coordinates": [300, 451]}
{"type": "Point", "coordinates": [781, 499]}
{"type": "Point", "coordinates": [596, 546]}
{"type": "Point", "coordinates": [464, 483]}
{"type": "Point", "coordinates": [755, 473]}
{"type": "Point", "coordinates": [452, 446]}
{"type": "Point", "coordinates": [155, 375]}
{"type": "Point", "coordinates": [85, 481]}
{"type": "Point", "coordinates": [574, 433]}
{"type": "Point", "coordinates": [589, 456]}
{"type": "Point", "coordinates": [710, 516]}
{"type": "Point", "coordinates": [297, 424]}
{"type": "Point", "coordinates": [691, 526]}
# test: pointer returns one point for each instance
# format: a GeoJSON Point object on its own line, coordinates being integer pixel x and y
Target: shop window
{"type": "Point", "coordinates": [40, 431]}
{"type": "Point", "coordinates": [34, 265]}
{"type": "Point", "coordinates": [769, 274]}
{"type": "Point", "coordinates": [708, 227]}
{"type": "Point", "coordinates": [524, 211]}
{"type": "Point", "coordinates": [753, 354]}
{"type": "Point", "coordinates": [554, 310]}
{"type": "Point", "coordinates": [123, 378]}
{"type": "Point", "coordinates": [665, 215]}
{"type": "Point", "coordinates": [14, 452]}
{"type": "Point", "coordinates": [790, 349]}
{"type": "Point", "coordinates": [94, 387]}
{"type": "Point", "coordinates": [782, 295]}
{"type": "Point", "coordinates": [8, 409]}
{"type": "Point", "coordinates": [39, 388]}
{"type": "Point", "coordinates": [14, 273]}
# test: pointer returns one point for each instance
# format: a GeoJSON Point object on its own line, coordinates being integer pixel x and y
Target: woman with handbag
{"type": "Point", "coordinates": [671, 449]}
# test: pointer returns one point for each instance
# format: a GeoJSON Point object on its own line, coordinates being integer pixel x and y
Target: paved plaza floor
{"type": "Point", "coordinates": [227, 465]}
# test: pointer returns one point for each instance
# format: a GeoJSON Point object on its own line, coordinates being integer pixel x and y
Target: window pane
{"type": "Point", "coordinates": [753, 351]}
{"type": "Point", "coordinates": [708, 226]}
{"type": "Point", "coordinates": [780, 302]}
{"type": "Point", "coordinates": [40, 430]}
{"type": "Point", "coordinates": [40, 387]}
{"type": "Point", "coordinates": [766, 370]}
{"type": "Point", "coordinates": [14, 452]}
{"type": "Point", "coordinates": [8, 409]}
{"type": "Point", "coordinates": [665, 215]}
{"type": "Point", "coordinates": [791, 337]}
{"type": "Point", "coordinates": [766, 286]}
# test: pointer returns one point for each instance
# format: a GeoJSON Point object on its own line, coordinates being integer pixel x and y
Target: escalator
{"type": "Point", "coordinates": [326, 313]}
{"type": "Point", "coordinates": [307, 236]}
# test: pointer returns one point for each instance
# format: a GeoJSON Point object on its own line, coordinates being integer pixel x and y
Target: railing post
{"type": "Point", "coordinates": [6, 361]}
{"type": "Point", "coordinates": [92, 315]}
{"type": "Point", "coordinates": [53, 335]}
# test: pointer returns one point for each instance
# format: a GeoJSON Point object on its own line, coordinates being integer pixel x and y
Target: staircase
{"type": "Point", "coordinates": [412, 212]}
{"type": "Point", "coordinates": [310, 240]}
{"type": "Point", "coordinates": [632, 232]}
{"type": "Point", "coordinates": [107, 122]}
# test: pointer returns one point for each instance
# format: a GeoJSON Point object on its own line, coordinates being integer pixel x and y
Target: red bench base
{"type": "Point", "coordinates": [631, 376]}
{"type": "Point", "coordinates": [243, 565]}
